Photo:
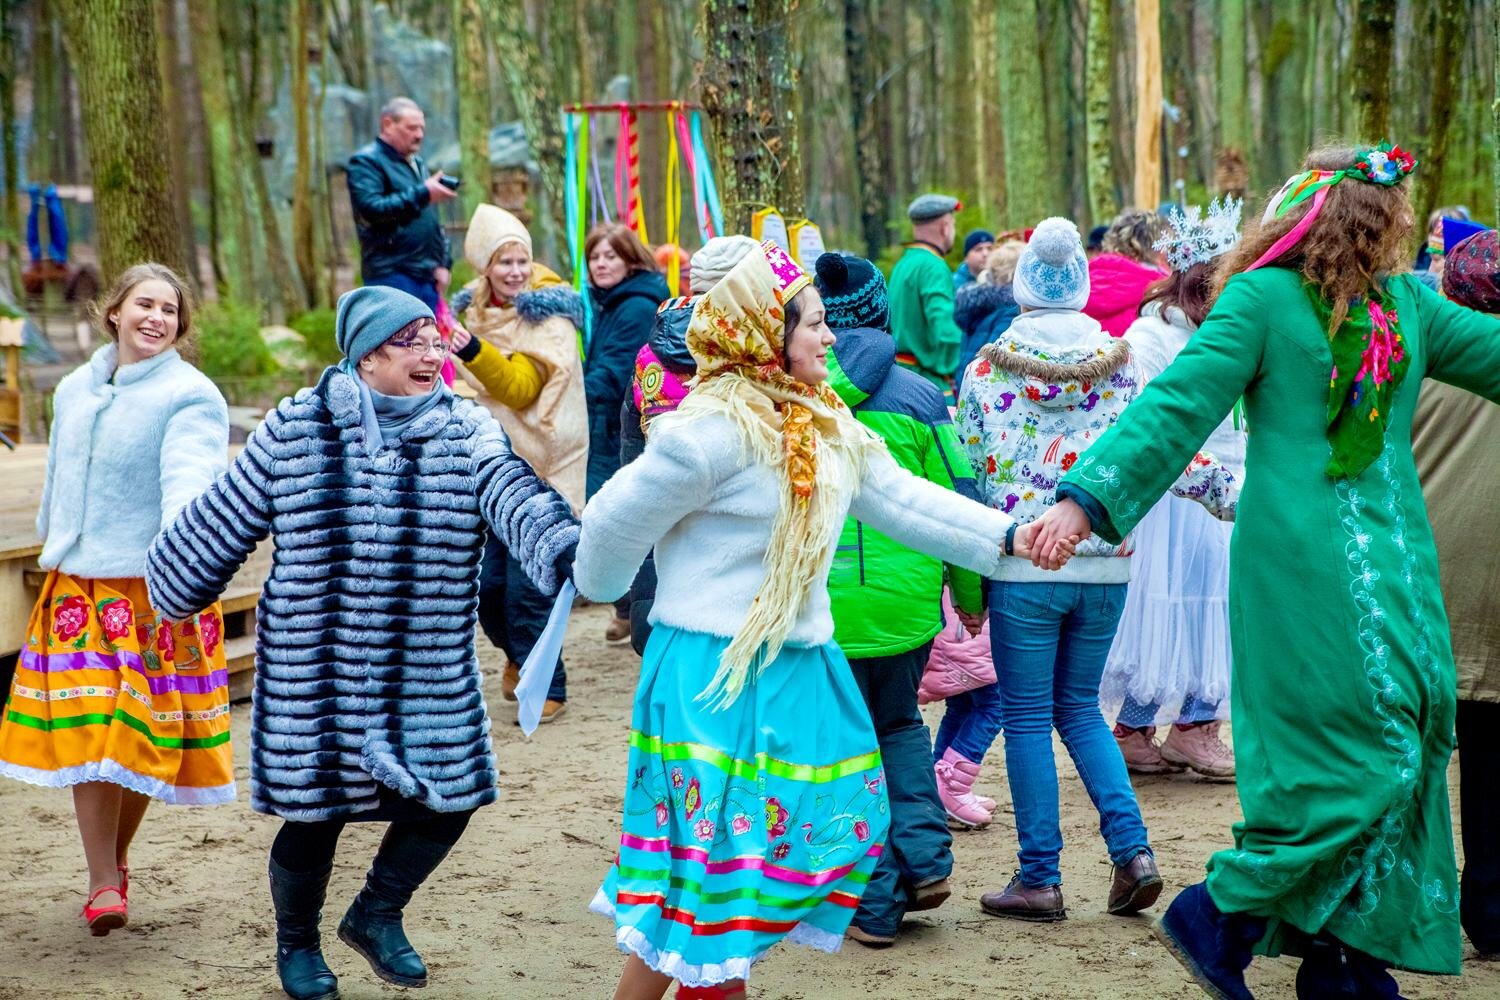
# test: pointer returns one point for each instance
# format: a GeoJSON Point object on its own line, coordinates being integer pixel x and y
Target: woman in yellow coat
{"type": "Point", "coordinates": [519, 349]}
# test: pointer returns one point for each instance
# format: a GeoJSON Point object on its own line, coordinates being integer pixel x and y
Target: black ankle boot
{"type": "Point", "coordinates": [298, 899]}
{"type": "Point", "coordinates": [372, 926]}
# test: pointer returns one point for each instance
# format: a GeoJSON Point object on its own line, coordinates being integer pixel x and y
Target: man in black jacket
{"type": "Point", "coordinates": [401, 240]}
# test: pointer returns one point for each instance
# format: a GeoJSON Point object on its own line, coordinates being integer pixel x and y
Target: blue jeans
{"type": "Point", "coordinates": [1136, 715]}
{"type": "Point", "coordinates": [424, 290]}
{"type": "Point", "coordinates": [970, 724]}
{"type": "Point", "coordinates": [1050, 643]}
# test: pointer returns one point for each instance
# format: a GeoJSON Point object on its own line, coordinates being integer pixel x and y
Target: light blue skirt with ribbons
{"type": "Point", "coordinates": [747, 825]}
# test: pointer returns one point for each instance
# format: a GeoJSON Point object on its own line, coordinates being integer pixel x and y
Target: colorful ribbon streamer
{"type": "Point", "coordinates": [710, 189]}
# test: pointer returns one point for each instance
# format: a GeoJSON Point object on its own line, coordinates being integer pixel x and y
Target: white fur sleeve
{"type": "Point", "coordinates": [929, 518]}
{"type": "Point", "coordinates": [673, 477]}
{"type": "Point", "coordinates": [194, 449]}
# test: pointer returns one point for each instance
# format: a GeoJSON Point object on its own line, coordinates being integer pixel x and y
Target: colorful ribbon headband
{"type": "Point", "coordinates": [1384, 164]}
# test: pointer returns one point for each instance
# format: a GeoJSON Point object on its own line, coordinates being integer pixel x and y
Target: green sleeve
{"type": "Point", "coordinates": [1138, 459]}
{"type": "Point", "coordinates": [1463, 346]}
{"type": "Point", "coordinates": [945, 464]}
{"type": "Point", "coordinates": [937, 308]}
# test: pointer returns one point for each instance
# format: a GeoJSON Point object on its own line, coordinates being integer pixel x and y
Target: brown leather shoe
{"type": "Point", "coordinates": [552, 709]}
{"type": "Point", "coordinates": [854, 933]}
{"type": "Point", "coordinates": [618, 630]}
{"type": "Point", "coordinates": [930, 896]}
{"type": "Point", "coordinates": [1019, 901]}
{"type": "Point", "coordinates": [1137, 885]}
{"type": "Point", "coordinates": [509, 678]}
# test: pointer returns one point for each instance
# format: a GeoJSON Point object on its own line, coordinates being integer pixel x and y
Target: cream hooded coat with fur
{"type": "Point", "coordinates": [551, 434]}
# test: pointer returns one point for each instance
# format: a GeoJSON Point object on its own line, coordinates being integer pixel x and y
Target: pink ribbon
{"type": "Point", "coordinates": [1298, 231]}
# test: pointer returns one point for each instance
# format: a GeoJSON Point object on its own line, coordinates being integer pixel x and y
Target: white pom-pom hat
{"type": "Point", "coordinates": [1053, 272]}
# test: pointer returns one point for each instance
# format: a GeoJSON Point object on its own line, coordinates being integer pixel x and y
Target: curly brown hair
{"type": "Point", "coordinates": [1359, 238]}
{"type": "Point", "coordinates": [1132, 234]}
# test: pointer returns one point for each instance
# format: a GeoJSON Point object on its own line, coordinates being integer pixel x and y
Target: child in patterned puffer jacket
{"type": "Point", "coordinates": [1031, 404]}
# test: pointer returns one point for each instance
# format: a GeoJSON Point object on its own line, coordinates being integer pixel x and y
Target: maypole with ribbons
{"type": "Point", "coordinates": [588, 203]}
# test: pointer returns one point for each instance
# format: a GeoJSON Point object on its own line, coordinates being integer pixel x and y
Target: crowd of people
{"type": "Point", "coordinates": [812, 494]}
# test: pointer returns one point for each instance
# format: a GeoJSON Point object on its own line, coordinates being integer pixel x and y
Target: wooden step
{"type": "Point", "coordinates": [239, 659]}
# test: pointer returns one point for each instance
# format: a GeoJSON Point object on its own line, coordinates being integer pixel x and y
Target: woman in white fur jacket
{"type": "Point", "coordinates": [110, 698]}
{"type": "Point", "coordinates": [755, 807]}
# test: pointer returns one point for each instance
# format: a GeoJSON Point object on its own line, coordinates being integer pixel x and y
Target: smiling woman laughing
{"type": "Point", "coordinates": [379, 489]}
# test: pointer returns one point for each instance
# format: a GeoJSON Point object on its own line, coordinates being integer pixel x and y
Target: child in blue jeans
{"type": "Point", "coordinates": [1030, 405]}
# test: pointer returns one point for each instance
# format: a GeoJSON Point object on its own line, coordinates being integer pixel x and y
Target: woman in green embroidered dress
{"type": "Point", "coordinates": [1344, 688]}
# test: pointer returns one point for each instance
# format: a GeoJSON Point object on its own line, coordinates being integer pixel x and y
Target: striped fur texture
{"type": "Point", "coordinates": [365, 666]}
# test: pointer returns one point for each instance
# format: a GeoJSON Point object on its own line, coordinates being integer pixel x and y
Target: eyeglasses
{"type": "Point", "coordinates": [422, 348]}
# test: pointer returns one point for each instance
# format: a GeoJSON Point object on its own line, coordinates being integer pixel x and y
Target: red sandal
{"type": "Point", "coordinates": [124, 871]}
{"type": "Point", "coordinates": [103, 919]}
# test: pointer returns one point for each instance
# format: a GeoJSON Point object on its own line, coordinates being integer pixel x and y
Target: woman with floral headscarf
{"type": "Point", "coordinates": [1343, 682]}
{"type": "Point", "coordinates": [755, 807]}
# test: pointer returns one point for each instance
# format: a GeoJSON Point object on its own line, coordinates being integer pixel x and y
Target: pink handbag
{"type": "Point", "coordinates": [959, 662]}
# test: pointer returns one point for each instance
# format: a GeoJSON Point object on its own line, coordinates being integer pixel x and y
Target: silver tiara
{"type": "Point", "coordinates": [1193, 238]}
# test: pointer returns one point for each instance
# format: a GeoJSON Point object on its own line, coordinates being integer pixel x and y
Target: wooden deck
{"type": "Point", "coordinates": [22, 473]}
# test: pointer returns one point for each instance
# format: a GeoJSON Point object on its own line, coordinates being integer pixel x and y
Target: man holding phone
{"type": "Point", "coordinates": [401, 239]}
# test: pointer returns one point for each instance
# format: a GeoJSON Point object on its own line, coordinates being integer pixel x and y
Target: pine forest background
{"type": "Point", "coordinates": [222, 151]}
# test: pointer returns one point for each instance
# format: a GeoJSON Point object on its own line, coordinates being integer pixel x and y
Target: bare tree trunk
{"type": "Point", "coordinates": [1448, 39]}
{"type": "Point", "coordinates": [122, 109]}
{"type": "Point", "coordinates": [539, 110]}
{"type": "Point", "coordinates": [305, 25]}
{"type": "Point", "coordinates": [748, 86]}
{"type": "Point", "coordinates": [1370, 78]}
{"type": "Point", "coordinates": [173, 99]}
{"type": "Point", "coordinates": [962, 124]}
{"type": "Point", "coordinates": [472, 76]}
{"type": "Point", "coordinates": [10, 160]}
{"type": "Point", "coordinates": [985, 90]}
{"type": "Point", "coordinates": [1099, 64]}
{"type": "Point", "coordinates": [1495, 111]}
{"type": "Point", "coordinates": [859, 67]}
{"type": "Point", "coordinates": [229, 230]}
{"type": "Point", "coordinates": [283, 294]}
{"type": "Point", "coordinates": [1148, 108]}
{"type": "Point", "coordinates": [1030, 180]}
{"type": "Point", "coordinates": [1234, 131]}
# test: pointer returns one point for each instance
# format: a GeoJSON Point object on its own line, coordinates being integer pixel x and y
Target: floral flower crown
{"type": "Point", "coordinates": [1195, 238]}
{"type": "Point", "coordinates": [1384, 164]}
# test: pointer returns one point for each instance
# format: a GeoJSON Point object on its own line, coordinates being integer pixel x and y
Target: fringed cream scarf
{"type": "Point", "coordinates": [802, 431]}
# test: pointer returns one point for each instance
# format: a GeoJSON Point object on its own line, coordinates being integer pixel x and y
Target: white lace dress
{"type": "Point", "coordinates": [1172, 643]}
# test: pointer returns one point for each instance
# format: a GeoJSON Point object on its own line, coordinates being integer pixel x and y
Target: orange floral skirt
{"type": "Point", "coordinates": [107, 690]}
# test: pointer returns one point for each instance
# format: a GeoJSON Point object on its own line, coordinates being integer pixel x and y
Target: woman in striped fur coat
{"type": "Point", "coordinates": [377, 487]}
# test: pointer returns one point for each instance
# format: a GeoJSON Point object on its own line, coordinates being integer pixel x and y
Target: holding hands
{"type": "Point", "coordinates": [1052, 538]}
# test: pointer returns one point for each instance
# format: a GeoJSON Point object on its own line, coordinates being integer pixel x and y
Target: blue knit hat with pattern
{"type": "Point", "coordinates": [367, 317]}
{"type": "Point", "coordinates": [853, 292]}
{"type": "Point", "coordinates": [1053, 273]}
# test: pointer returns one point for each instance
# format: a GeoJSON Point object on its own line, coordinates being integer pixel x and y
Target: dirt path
{"type": "Point", "coordinates": [506, 917]}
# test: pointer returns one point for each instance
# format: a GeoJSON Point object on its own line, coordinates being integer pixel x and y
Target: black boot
{"type": "Point", "coordinates": [298, 899]}
{"type": "Point", "coordinates": [1332, 970]}
{"type": "Point", "coordinates": [1214, 946]}
{"type": "Point", "coordinates": [372, 926]}
{"type": "Point", "coordinates": [1324, 974]}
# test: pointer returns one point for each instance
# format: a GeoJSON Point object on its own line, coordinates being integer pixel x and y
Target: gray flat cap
{"type": "Point", "coordinates": [932, 206]}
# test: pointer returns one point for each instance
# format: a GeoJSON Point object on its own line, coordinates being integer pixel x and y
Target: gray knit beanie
{"type": "Point", "coordinates": [367, 317]}
{"type": "Point", "coordinates": [1053, 273]}
{"type": "Point", "coordinates": [715, 259]}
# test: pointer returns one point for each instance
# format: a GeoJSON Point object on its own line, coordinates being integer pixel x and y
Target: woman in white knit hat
{"type": "Point", "coordinates": [1031, 403]}
{"type": "Point", "coordinates": [519, 348]}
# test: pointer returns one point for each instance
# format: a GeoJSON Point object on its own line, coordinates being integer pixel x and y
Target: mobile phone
{"type": "Point", "coordinates": [448, 181]}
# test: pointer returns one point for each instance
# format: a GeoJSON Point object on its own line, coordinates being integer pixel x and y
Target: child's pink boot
{"type": "Point", "coordinates": [955, 781]}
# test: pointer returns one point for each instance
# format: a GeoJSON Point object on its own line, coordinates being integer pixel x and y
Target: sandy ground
{"type": "Point", "coordinates": [506, 917]}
